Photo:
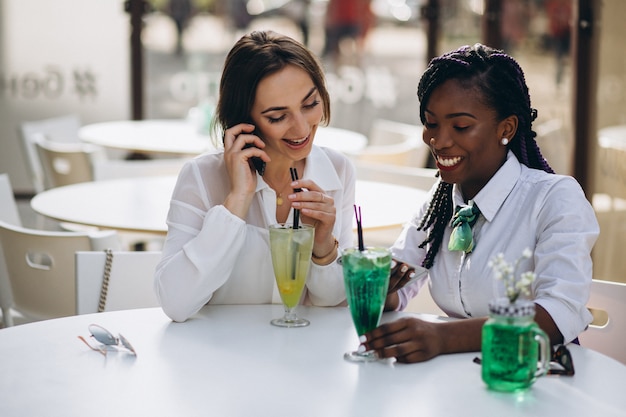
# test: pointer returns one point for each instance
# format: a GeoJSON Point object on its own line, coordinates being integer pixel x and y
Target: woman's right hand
{"type": "Point", "coordinates": [237, 159]}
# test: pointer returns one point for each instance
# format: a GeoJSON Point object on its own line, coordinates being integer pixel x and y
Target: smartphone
{"type": "Point", "coordinates": [257, 163]}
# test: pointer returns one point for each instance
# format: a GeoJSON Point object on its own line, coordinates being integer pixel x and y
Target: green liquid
{"type": "Point", "coordinates": [509, 356]}
{"type": "Point", "coordinates": [366, 277]}
{"type": "Point", "coordinates": [291, 257]}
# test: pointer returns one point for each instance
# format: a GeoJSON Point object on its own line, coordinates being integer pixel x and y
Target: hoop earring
{"type": "Point", "coordinates": [504, 141]}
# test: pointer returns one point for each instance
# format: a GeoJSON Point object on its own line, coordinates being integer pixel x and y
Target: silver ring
{"type": "Point", "coordinates": [323, 197]}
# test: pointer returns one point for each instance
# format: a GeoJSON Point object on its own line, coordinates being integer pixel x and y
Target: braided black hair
{"type": "Point", "coordinates": [502, 86]}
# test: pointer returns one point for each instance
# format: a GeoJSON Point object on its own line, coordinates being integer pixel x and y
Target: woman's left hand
{"type": "Point", "coordinates": [317, 209]}
{"type": "Point", "coordinates": [400, 275]}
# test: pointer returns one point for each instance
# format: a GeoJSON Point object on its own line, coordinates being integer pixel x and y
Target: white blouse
{"type": "Point", "coordinates": [520, 208]}
{"type": "Point", "coordinates": [211, 255]}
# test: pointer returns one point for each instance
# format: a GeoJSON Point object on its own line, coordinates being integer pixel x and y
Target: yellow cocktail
{"type": "Point", "coordinates": [291, 257]}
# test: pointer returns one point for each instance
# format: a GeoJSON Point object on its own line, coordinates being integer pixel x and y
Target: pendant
{"type": "Point", "coordinates": [279, 200]}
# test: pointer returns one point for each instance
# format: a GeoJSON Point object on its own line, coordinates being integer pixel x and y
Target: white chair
{"type": "Point", "coordinates": [607, 332]}
{"type": "Point", "coordinates": [388, 132]}
{"type": "Point", "coordinates": [411, 153]}
{"type": "Point", "coordinates": [41, 267]}
{"type": "Point", "coordinates": [394, 143]}
{"type": "Point", "coordinates": [10, 214]}
{"type": "Point", "coordinates": [130, 282]}
{"type": "Point", "coordinates": [66, 163]}
{"type": "Point", "coordinates": [63, 129]}
{"type": "Point", "coordinates": [421, 178]}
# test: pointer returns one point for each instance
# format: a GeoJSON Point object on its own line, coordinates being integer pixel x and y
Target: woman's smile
{"type": "Point", "coordinates": [447, 163]}
{"type": "Point", "coordinates": [297, 143]}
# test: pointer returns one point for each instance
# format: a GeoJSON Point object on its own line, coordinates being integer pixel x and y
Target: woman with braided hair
{"type": "Point", "coordinates": [494, 182]}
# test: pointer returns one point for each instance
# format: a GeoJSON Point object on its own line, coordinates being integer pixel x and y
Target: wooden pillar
{"type": "Point", "coordinates": [430, 14]}
{"type": "Point", "coordinates": [136, 9]}
{"type": "Point", "coordinates": [585, 69]}
{"type": "Point", "coordinates": [491, 33]}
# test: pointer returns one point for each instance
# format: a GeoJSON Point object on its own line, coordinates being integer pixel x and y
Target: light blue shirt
{"type": "Point", "coordinates": [211, 255]}
{"type": "Point", "coordinates": [520, 208]}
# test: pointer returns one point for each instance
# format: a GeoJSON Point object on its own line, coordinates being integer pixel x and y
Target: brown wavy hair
{"type": "Point", "coordinates": [255, 56]}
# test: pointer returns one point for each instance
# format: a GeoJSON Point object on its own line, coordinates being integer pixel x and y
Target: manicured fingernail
{"type": "Point", "coordinates": [412, 275]}
{"type": "Point", "coordinates": [404, 269]}
{"type": "Point", "coordinates": [393, 264]}
{"type": "Point", "coordinates": [362, 339]}
{"type": "Point", "coordinates": [361, 349]}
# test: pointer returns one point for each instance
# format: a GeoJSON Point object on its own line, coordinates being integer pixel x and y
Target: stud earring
{"type": "Point", "coordinates": [504, 141]}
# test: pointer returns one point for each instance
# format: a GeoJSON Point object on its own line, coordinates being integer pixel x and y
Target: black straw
{"type": "Point", "coordinates": [296, 225]}
{"type": "Point", "coordinates": [359, 227]}
{"type": "Point", "coordinates": [296, 212]}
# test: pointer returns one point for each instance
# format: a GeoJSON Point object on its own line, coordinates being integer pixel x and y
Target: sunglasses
{"type": "Point", "coordinates": [107, 339]}
{"type": "Point", "coordinates": [560, 364]}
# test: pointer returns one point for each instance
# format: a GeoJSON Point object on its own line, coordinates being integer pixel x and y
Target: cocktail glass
{"type": "Point", "coordinates": [366, 277]}
{"type": "Point", "coordinates": [291, 257]}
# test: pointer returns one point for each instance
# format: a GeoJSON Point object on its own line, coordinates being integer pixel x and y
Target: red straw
{"type": "Point", "coordinates": [359, 227]}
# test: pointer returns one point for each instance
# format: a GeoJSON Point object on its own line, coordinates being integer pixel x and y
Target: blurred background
{"type": "Point", "coordinates": [161, 59]}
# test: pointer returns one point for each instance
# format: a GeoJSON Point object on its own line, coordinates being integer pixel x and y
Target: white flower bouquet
{"type": "Point", "coordinates": [514, 285]}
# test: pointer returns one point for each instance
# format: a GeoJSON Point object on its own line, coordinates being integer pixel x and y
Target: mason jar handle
{"type": "Point", "coordinates": [544, 352]}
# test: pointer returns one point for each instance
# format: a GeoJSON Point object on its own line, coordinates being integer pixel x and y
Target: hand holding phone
{"type": "Point", "coordinates": [257, 163]}
{"type": "Point", "coordinates": [400, 268]}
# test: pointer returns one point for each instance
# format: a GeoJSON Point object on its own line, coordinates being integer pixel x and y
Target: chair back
{"type": "Point", "coordinates": [66, 163]}
{"type": "Point", "coordinates": [63, 129]}
{"type": "Point", "coordinates": [606, 333]}
{"type": "Point", "coordinates": [410, 153]}
{"type": "Point", "coordinates": [130, 285]}
{"type": "Point", "coordinates": [421, 178]}
{"type": "Point", "coordinates": [389, 132]}
{"type": "Point", "coordinates": [40, 265]}
{"type": "Point", "coordinates": [8, 213]}
{"type": "Point", "coordinates": [8, 207]}
{"type": "Point", "coordinates": [395, 143]}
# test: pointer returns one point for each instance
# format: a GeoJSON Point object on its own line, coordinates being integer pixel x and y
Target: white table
{"type": "Point", "coordinates": [180, 137]}
{"type": "Point", "coordinates": [141, 204]}
{"type": "Point", "coordinates": [229, 361]}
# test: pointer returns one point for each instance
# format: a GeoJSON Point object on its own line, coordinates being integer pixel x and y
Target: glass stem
{"type": "Point", "coordinates": [290, 314]}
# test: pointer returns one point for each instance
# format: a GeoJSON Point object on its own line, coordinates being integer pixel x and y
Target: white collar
{"type": "Point", "coordinates": [491, 197]}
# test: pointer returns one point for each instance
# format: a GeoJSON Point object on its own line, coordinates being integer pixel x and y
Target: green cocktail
{"type": "Point", "coordinates": [366, 278]}
{"type": "Point", "coordinates": [291, 257]}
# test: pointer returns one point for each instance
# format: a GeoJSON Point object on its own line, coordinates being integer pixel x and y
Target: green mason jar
{"type": "Point", "coordinates": [515, 351]}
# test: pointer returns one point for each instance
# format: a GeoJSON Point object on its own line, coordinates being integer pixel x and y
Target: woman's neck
{"type": "Point", "coordinates": [278, 176]}
{"type": "Point", "coordinates": [279, 179]}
